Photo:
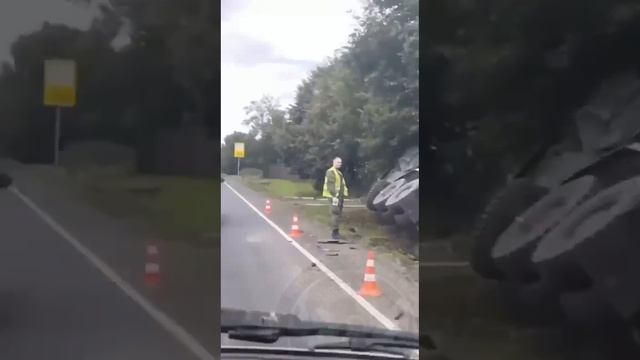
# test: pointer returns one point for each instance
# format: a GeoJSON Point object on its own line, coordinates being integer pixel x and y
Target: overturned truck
{"type": "Point", "coordinates": [562, 234]}
{"type": "Point", "coordinates": [394, 198]}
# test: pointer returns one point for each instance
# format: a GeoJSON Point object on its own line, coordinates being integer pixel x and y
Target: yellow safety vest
{"type": "Point", "coordinates": [339, 182]}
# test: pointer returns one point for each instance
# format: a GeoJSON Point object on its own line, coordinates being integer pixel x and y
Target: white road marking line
{"type": "Point", "coordinates": [164, 320]}
{"type": "Point", "coordinates": [343, 285]}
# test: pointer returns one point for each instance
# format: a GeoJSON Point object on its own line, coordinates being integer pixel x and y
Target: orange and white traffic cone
{"type": "Point", "coordinates": [295, 228]}
{"type": "Point", "coordinates": [152, 266]}
{"type": "Point", "coordinates": [370, 285]}
{"type": "Point", "coordinates": [267, 207]}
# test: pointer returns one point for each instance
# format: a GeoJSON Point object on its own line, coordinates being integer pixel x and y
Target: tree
{"type": "Point", "coordinates": [362, 105]}
{"type": "Point", "coordinates": [124, 96]}
{"type": "Point", "coordinates": [185, 35]}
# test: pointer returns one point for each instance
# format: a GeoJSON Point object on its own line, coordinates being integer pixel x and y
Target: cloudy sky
{"type": "Point", "coordinates": [19, 17]}
{"type": "Point", "coordinates": [268, 47]}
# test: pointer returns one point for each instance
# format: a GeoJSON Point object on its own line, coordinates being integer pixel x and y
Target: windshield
{"type": "Point", "coordinates": [297, 94]}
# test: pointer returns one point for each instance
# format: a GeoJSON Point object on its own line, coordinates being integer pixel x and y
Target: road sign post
{"type": "Point", "coordinates": [238, 153]}
{"type": "Point", "coordinates": [56, 140]}
{"type": "Point", "coordinates": [59, 92]}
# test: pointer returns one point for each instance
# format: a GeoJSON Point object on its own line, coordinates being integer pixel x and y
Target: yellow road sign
{"type": "Point", "coordinates": [60, 83]}
{"type": "Point", "coordinates": [238, 150]}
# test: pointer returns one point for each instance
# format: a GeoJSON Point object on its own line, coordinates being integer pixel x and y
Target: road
{"type": "Point", "coordinates": [56, 304]}
{"type": "Point", "coordinates": [262, 270]}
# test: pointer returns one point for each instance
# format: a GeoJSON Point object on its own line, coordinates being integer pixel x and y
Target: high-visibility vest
{"type": "Point", "coordinates": [339, 182]}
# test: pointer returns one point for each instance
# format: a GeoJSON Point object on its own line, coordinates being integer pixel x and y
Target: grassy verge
{"type": "Point", "coordinates": [280, 188]}
{"type": "Point", "coordinates": [473, 318]}
{"type": "Point", "coordinates": [179, 208]}
{"type": "Point", "coordinates": [360, 219]}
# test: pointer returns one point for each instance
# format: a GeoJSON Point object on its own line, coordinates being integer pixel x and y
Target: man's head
{"type": "Point", "coordinates": [337, 163]}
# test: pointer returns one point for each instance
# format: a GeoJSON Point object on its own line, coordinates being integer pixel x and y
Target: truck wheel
{"type": "Point", "coordinates": [380, 200]}
{"type": "Point", "coordinates": [374, 191]}
{"type": "Point", "coordinates": [406, 198]}
{"type": "Point", "coordinates": [501, 211]}
{"type": "Point", "coordinates": [513, 249]}
{"type": "Point", "coordinates": [590, 225]}
{"type": "Point", "coordinates": [597, 246]}
{"type": "Point", "coordinates": [384, 194]}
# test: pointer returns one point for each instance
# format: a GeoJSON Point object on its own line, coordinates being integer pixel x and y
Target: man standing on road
{"type": "Point", "coordinates": [335, 188]}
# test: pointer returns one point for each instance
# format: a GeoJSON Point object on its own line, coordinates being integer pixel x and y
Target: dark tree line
{"type": "Point", "coordinates": [169, 68]}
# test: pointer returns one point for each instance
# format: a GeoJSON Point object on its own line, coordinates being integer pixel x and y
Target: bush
{"type": "Point", "coordinates": [251, 172]}
{"type": "Point", "coordinates": [90, 154]}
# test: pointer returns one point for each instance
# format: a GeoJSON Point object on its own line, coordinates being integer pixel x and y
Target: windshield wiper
{"type": "Point", "coordinates": [265, 327]}
{"type": "Point", "coordinates": [371, 345]}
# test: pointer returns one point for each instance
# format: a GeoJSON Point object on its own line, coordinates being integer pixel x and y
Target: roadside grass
{"type": "Point", "coordinates": [361, 220]}
{"type": "Point", "coordinates": [470, 318]}
{"type": "Point", "coordinates": [352, 218]}
{"type": "Point", "coordinates": [179, 208]}
{"type": "Point", "coordinates": [280, 188]}
{"type": "Point", "coordinates": [360, 224]}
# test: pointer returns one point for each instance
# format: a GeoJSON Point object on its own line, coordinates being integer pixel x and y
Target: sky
{"type": "Point", "coordinates": [269, 47]}
{"type": "Point", "coordinates": [19, 17]}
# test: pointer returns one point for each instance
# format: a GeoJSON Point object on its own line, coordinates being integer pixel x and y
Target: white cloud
{"type": "Point", "coordinates": [268, 47]}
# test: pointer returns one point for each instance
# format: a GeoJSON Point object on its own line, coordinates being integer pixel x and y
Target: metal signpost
{"type": "Point", "coordinates": [238, 152]}
{"type": "Point", "coordinates": [59, 92]}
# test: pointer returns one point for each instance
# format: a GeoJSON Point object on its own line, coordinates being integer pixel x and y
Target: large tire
{"type": "Point", "coordinates": [597, 244]}
{"type": "Point", "coordinates": [406, 200]}
{"type": "Point", "coordinates": [501, 211]}
{"type": "Point", "coordinates": [380, 200]}
{"type": "Point", "coordinates": [513, 249]}
{"type": "Point", "coordinates": [374, 191]}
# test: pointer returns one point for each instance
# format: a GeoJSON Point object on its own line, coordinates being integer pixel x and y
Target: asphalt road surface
{"type": "Point", "coordinates": [55, 304]}
{"type": "Point", "coordinates": [263, 271]}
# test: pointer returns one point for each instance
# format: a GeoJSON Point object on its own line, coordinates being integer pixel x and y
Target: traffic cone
{"type": "Point", "coordinates": [370, 285]}
{"type": "Point", "coordinates": [152, 266]}
{"type": "Point", "coordinates": [267, 207]}
{"type": "Point", "coordinates": [295, 228]}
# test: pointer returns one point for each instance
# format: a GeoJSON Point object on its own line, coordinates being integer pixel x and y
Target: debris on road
{"type": "Point", "coordinates": [333, 241]}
